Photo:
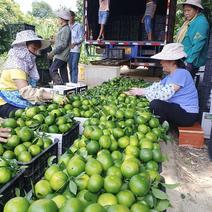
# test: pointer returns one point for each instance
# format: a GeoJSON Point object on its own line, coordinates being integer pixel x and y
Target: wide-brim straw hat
{"type": "Point", "coordinates": [64, 14]}
{"type": "Point", "coordinates": [29, 35]}
{"type": "Point", "coordinates": [171, 51]}
{"type": "Point", "coordinates": [196, 3]}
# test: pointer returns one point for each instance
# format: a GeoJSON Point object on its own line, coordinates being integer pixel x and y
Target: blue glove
{"type": "Point", "coordinates": [33, 83]}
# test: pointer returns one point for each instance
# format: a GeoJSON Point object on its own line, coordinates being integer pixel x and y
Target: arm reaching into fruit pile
{"type": "Point", "coordinates": [19, 70]}
{"type": "Point", "coordinates": [4, 134]}
{"type": "Point", "coordinates": [155, 91]}
{"type": "Point", "coordinates": [174, 98]}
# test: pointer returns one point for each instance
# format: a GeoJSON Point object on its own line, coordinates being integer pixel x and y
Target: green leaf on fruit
{"type": "Point", "coordinates": [73, 187]}
{"type": "Point", "coordinates": [159, 194]}
{"type": "Point", "coordinates": [170, 186]}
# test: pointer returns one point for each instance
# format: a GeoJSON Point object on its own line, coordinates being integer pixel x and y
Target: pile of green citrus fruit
{"type": "Point", "coordinates": [114, 166]}
{"type": "Point", "coordinates": [6, 172]}
{"type": "Point", "coordinates": [51, 118]}
{"type": "Point", "coordinates": [23, 144]}
{"type": "Point", "coordinates": [89, 104]}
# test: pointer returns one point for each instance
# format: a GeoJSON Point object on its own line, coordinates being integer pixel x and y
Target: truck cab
{"type": "Point", "coordinates": [125, 36]}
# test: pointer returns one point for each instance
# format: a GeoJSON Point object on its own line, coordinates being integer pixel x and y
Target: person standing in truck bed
{"type": "Point", "coordinates": [148, 16]}
{"type": "Point", "coordinates": [103, 16]}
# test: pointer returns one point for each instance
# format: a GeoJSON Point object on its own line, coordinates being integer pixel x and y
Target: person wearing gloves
{"type": "Point", "coordinates": [77, 37]}
{"type": "Point", "coordinates": [60, 52]}
{"type": "Point", "coordinates": [19, 71]}
{"type": "Point", "coordinates": [4, 134]}
{"type": "Point", "coordinates": [174, 98]}
{"type": "Point", "coordinates": [194, 35]}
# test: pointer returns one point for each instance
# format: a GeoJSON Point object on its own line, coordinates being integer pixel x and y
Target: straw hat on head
{"type": "Point", "coordinates": [64, 14]}
{"type": "Point", "coordinates": [171, 51]}
{"type": "Point", "coordinates": [29, 35]}
{"type": "Point", "coordinates": [196, 3]}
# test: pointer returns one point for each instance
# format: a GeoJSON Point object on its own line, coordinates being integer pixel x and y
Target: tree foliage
{"type": "Point", "coordinates": [41, 9]}
{"type": "Point", "coordinates": [80, 11]}
{"type": "Point", "coordinates": [9, 13]}
{"type": "Point", "coordinates": [46, 27]}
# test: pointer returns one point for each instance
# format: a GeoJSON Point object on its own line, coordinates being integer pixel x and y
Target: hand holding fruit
{"type": "Point", "coordinates": [59, 99]}
{"type": "Point", "coordinates": [136, 92]}
{"type": "Point", "coordinates": [4, 134]}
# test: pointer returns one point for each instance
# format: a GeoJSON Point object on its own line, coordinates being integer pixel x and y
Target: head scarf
{"type": "Point", "coordinates": [19, 57]}
{"type": "Point", "coordinates": [183, 30]}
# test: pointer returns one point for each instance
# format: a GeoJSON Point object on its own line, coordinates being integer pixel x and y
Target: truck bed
{"type": "Point", "coordinates": [124, 23]}
{"type": "Point", "coordinates": [125, 42]}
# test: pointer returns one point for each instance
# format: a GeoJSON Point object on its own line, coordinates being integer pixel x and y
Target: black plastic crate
{"type": "Point", "coordinates": [69, 138]}
{"type": "Point", "coordinates": [70, 91]}
{"type": "Point", "coordinates": [8, 191]}
{"type": "Point", "coordinates": [82, 89]}
{"type": "Point", "coordinates": [36, 168]}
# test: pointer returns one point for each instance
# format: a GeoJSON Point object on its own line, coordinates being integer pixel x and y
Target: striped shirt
{"type": "Point", "coordinates": [150, 9]}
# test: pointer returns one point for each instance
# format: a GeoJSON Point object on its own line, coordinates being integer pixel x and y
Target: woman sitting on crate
{"type": "Point", "coordinates": [173, 99]}
{"type": "Point", "coordinates": [194, 35]}
{"type": "Point", "coordinates": [20, 73]}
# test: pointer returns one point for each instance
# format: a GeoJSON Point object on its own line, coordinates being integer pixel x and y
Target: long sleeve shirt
{"type": "Point", "coordinates": [61, 46]}
{"type": "Point", "coordinates": [196, 41]}
{"type": "Point", "coordinates": [77, 36]}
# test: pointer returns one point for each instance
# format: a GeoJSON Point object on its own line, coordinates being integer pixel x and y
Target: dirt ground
{"type": "Point", "coordinates": [193, 170]}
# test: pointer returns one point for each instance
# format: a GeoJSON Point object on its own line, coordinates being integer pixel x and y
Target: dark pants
{"type": "Point", "coordinates": [73, 66]}
{"type": "Point", "coordinates": [6, 109]}
{"type": "Point", "coordinates": [62, 66]}
{"type": "Point", "coordinates": [172, 113]}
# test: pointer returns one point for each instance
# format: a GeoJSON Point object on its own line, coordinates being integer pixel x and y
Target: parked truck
{"type": "Point", "coordinates": [125, 36]}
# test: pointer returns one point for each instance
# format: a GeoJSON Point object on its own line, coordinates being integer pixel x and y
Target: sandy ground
{"type": "Point", "coordinates": [193, 170]}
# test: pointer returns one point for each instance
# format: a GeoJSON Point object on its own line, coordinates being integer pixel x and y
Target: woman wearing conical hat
{"type": "Point", "coordinates": [194, 35]}
{"type": "Point", "coordinates": [16, 89]}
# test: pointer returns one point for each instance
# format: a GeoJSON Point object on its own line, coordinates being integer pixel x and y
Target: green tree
{"type": "Point", "coordinates": [80, 11]}
{"type": "Point", "coordinates": [41, 10]}
{"type": "Point", "coordinates": [46, 27]}
{"type": "Point", "coordinates": [9, 13]}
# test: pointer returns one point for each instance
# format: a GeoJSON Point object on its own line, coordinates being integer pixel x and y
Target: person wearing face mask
{"type": "Point", "coordinates": [174, 98]}
{"type": "Point", "coordinates": [194, 35]}
{"type": "Point", "coordinates": [19, 72]}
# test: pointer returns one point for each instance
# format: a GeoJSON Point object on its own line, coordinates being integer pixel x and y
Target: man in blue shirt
{"type": "Point", "coordinates": [77, 37]}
